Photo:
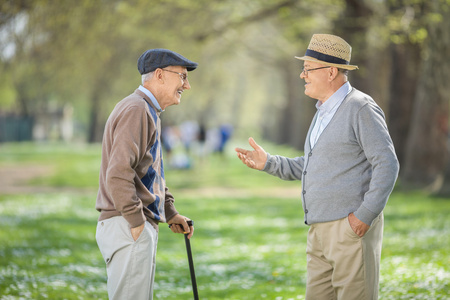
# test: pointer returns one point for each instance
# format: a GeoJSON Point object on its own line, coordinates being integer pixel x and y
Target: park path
{"type": "Point", "coordinates": [211, 192]}
{"type": "Point", "coordinates": [15, 180]}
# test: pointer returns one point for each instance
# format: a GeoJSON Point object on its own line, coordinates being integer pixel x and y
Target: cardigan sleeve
{"type": "Point", "coordinates": [169, 206]}
{"type": "Point", "coordinates": [373, 136]}
{"type": "Point", "coordinates": [284, 167]}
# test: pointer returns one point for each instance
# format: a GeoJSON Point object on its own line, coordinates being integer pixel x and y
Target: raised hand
{"type": "Point", "coordinates": [255, 159]}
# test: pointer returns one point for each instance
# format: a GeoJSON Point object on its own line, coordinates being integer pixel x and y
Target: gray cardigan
{"type": "Point", "coordinates": [352, 167]}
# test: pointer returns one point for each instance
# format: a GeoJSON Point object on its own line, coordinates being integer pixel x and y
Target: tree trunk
{"type": "Point", "coordinates": [405, 67]}
{"type": "Point", "coordinates": [444, 91]}
{"type": "Point", "coordinates": [295, 116]}
{"type": "Point", "coordinates": [444, 191]}
{"type": "Point", "coordinates": [352, 27]}
{"type": "Point", "coordinates": [427, 150]}
{"type": "Point", "coordinates": [95, 131]}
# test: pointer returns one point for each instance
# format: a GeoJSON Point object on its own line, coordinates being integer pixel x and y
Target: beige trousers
{"type": "Point", "coordinates": [130, 265]}
{"type": "Point", "coordinates": [340, 264]}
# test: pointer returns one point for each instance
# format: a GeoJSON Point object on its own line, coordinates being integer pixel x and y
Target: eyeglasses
{"type": "Point", "coordinates": [305, 71]}
{"type": "Point", "coordinates": [182, 75]}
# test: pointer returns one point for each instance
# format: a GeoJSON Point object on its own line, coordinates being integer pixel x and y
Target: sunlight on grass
{"type": "Point", "coordinates": [249, 240]}
{"type": "Point", "coordinates": [48, 250]}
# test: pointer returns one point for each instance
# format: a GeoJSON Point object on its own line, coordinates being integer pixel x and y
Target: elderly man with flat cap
{"type": "Point", "coordinates": [133, 197]}
{"type": "Point", "coordinates": [348, 172]}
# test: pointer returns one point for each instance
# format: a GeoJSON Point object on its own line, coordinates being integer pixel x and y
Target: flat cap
{"type": "Point", "coordinates": [153, 59]}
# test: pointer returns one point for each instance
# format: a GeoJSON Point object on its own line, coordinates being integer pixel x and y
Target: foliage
{"type": "Point", "coordinates": [249, 241]}
{"type": "Point", "coordinates": [86, 53]}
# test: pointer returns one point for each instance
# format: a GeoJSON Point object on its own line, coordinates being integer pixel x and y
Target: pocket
{"type": "Point", "coordinates": [374, 223]}
{"type": "Point", "coordinates": [111, 238]}
{"type": "Point", "coordinates": [142, 237]}
{"type": "Point", "coordinates": [350, 229]}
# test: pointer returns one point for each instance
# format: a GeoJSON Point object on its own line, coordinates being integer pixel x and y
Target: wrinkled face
{"type": "Point", "coordinates": [173, 86]}
{"type": "Point", "coordinates": [316, 81]}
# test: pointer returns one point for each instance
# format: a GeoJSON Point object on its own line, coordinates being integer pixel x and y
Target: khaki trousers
{"type": "Point", "coordinates": [130, 265]}
{"type": "Point", "coordinates": [340, 264]}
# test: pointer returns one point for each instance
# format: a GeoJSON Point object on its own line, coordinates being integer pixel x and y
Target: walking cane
{"type": "Point", "coordinates": [191, 262]}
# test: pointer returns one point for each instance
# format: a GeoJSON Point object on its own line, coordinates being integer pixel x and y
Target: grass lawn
{"type": "Point", "coordinates": [249, 240]}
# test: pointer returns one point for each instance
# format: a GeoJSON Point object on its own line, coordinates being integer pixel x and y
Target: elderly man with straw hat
{"type": "Point", "coordinates": [348, 172]}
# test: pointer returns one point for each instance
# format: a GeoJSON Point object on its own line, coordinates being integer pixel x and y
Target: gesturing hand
{"type": "Point", "coordinates": [255, 159]}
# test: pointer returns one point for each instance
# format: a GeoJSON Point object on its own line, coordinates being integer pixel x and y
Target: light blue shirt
{"type": "Point", "coordinates": [152, 98]}
{"type": "Point", "coordinates": [327, 110]}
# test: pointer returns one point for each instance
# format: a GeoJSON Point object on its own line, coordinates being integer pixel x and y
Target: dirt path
{"type": "Point", "coordinates": [223, 192]}
{"type": "Point", "coordinates": [15, 180]}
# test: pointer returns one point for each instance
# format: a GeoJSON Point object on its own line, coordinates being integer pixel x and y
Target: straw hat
{"type": "Point", "coordinates": [329, 50]}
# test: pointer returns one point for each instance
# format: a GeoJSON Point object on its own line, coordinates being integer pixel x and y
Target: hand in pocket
{"type": "Point", "coordinates": [359, 227]}
{"type": "Point", "coordinates": [136, 231]}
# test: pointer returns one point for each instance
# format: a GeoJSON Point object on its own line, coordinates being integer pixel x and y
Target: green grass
{"type": "Point", "coordinates": [249, 241]}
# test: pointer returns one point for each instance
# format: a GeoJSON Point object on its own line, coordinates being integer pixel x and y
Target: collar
{"type": "Point", "coordinates": [335, 99]}
{"type": "Point", "coordinates": [152, 98]}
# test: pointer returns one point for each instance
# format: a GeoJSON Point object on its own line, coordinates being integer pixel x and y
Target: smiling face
{"type": "Point", "coordinates": [317, 82]}
{"type": "Point", "coordinates": [171, 85]}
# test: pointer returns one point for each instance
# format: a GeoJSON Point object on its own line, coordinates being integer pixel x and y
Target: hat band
{"type": "Point", "coordinates": [326, 57]}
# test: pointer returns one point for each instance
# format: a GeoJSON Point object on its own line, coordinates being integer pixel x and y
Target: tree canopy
{"type": "Point", "coordinates": [83, 53]}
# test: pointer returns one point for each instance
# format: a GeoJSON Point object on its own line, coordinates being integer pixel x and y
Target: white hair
{"type": "Point", "coordinates": [147, 77]}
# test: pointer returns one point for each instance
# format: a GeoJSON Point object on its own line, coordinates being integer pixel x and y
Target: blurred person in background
{"type": "Point", "coordinates": [348, 172]}
{"type": "Point", "coordinates": [133, 197]}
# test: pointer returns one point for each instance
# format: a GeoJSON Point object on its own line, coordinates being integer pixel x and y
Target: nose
{"type": "Point", "coordinates": [186, 85]}
{"type": "Point", "coordinates": [302, 75]}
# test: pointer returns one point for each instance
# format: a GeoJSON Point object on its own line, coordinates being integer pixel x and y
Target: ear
{"type": "Point", "coordinates": [333, 73]}
{"type": "Point", "coordinates": [159, 75]}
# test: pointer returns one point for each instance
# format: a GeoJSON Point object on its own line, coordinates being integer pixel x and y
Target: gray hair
{"type": "Point", "coordinates": [343, 71]}
{"type": "Point", "coordinates": [146, 77]}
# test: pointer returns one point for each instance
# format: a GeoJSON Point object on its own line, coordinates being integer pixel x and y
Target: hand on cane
{"type": "Point", "coordinates": [178, 224]}
{"type": "Point", "coordinates": [255, 159]}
